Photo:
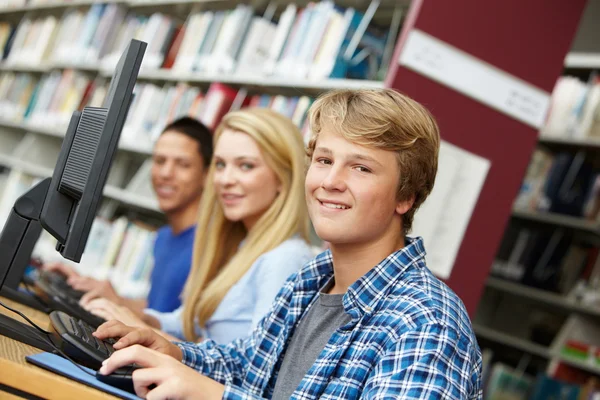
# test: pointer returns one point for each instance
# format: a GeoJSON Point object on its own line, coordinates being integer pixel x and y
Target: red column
{"type": "Point", "coordinates": [527, 39]}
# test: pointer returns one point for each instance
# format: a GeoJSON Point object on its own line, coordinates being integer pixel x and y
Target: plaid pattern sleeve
{"type": "Point", "coordinates": [224, 364]}
{"type": "Point", "coordinates": [432, 362]}
{"type": "Point", "coordinates": [409, 337]}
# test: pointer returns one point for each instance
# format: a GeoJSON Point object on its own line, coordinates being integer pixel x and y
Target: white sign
{"type": "Point", "coordinates": [475, 78]}
{"type": "Point", "coordinates": [443, 219]}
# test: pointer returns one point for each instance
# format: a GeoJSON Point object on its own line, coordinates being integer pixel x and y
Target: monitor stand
{"type": "Point", "coordinates": [17, 240]}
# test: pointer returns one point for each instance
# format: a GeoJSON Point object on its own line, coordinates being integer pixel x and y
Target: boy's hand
{"type": "Point", "coordinates": [170, 378]}
{"type": "Point", "coordinates": [130, 336]}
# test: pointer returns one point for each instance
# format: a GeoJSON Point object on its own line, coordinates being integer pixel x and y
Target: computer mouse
{"type": "Point", "coordinates": [120, 378]}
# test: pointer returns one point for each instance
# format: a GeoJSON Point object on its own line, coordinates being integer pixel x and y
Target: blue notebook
{"type": "Point", "coordinates": [64, 367]}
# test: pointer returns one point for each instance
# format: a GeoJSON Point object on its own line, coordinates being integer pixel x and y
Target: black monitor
{"type": "Point", "coordinates": [66, 204]}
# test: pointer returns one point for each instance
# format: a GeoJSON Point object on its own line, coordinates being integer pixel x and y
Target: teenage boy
{"type": "Point", "coordinates": [366, 318]}
{"type": "Point", "coordinates": [180, 160]}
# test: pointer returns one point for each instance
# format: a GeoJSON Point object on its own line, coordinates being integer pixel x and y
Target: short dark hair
{"type": "Point", "coordinates": [196, 130]}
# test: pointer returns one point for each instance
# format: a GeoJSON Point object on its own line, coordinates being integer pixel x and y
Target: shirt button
{"type": "Point", "coordinates": [368, 309]}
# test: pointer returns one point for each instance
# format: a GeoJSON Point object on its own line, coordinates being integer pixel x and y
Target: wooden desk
{"type": "Point", "coordinates": [16, 373]}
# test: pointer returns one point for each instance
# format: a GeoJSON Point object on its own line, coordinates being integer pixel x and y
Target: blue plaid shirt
{"type": "Point", "coordinates": [409, 337]}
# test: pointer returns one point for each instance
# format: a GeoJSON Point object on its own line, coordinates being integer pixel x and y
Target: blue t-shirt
{"type": "Point", "coordinates": [172, 261]}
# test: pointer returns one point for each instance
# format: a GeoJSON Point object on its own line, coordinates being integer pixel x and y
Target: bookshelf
{"type": "Point", "coordinates": [566, 221]}
{"type": "Point", "coordinates": [110, 191]}
{"type": "Point", "coordinates": [313, 87]}
{"type": "Point", "coordinates": [52, 5]}
{"type": "Point", "coordinates": [132, 199]}
{"type": "Point", "coordinates": [73, 60]}
{"type": "Point", "coordinates": [511, 341]}
{"type": "Point", "coordinates": [514, 314]}
{"type": "Point", "coordinates": [585, 143]}
{"type": "Point", "coordinates": [140, 148]}
{"type": "Point", "coordinates": [541, 296]}
{"type": "Point", "coordinates": [530, 347]}
{"type": "Point", "coordinates": [302, 85]}
{"type": "Point", "coordinates": [583, 60]}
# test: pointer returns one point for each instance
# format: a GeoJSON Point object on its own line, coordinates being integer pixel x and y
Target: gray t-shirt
{"type": "Point", "coordinates": [312, 334]}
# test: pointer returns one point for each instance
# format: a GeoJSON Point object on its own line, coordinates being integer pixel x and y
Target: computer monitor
{"type": "Point", "coordinates": [66, 204]}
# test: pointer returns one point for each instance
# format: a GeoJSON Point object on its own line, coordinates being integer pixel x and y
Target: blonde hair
{"type": "Point", "coordinates": [385, 119]}
{"type": "Point", "coordinates": [217, 263]}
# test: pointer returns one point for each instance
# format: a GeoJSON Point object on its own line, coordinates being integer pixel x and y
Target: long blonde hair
{"type": "Point", "coordinates": [218, 262]}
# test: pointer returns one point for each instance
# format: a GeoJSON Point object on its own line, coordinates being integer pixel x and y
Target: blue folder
{"type": "Point", "coordinates": [64, 367]}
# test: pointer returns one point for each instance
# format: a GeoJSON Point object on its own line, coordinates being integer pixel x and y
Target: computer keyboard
{"type": "Point", "coordinates": [59, 282]}
{"type": "Point", "coordinates": [78, 342]}
{"type": "Point", "coordinates": [62, 300]}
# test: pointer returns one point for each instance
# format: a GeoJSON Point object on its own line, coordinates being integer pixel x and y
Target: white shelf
{"type": "Point", "coordinates": [162, 3]}
{"type": "Point", "coordinates": [26, 167]}
{"type": "Point", "coordinates": [527, 346]}
{"type": "Point", "coordinates": [541, 296]}
{"type": "Point", "coordinates": [111, 192]}
{"type": "Point", "coordinates": [511, 341]}
{"type": "Point", "coordinates": [53, 5]}
{"type": "Point", "coordinates": [130, 198]}
{"type": "Point", "coordinates": [582, 60]}
{"type": "Point", "coordinates": [166, 75]}
{"type": "Point", "coordinates": [257, 81]}
{"type": "Point", "coordinates": [577, 142]}
{"type": "Point", "coordinates": [60, 132]}
{"type": "Point", "coordinates": [48, 66]}
{"type": "Point", "coordinates": [566, 221]}
{"type": "Point", "coordinates": [25, 68]}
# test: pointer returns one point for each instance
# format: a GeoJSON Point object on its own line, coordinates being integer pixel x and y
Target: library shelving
{"type": "Point", "coordinates": [204, 58]}
{"type": "Point", "coordinates": [539, 301]}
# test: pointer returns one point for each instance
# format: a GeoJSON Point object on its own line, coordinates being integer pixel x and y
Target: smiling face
{"type": "Point", "coordinates": [351, 192]}
{"type": "Point", "coordinates": [177, 172]}
{"type": "Point", "coordinates": [245, 185]}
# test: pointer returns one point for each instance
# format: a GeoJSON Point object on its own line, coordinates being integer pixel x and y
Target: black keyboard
{"type": "Point", "coordinates": [78, 341]}
{"type": "Point", "coordinates": [63, 301]}
{"type": "Point", "coordinates": [59, 282]}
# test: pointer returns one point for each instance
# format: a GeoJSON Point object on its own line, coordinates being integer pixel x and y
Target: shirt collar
{"type": "Point", "coordinates": [364, 294]}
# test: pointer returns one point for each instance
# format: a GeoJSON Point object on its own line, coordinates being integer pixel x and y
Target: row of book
{"type": "Point", "coordinates": [23, 3]}
{"type": "Point", "coordinates": [316, 42]}
{"type": "Point", "coordinates": [50, 100]}
{"type": "Point", "coordinates": [547, 259]}
{"type": "Point", "coordinates": [145, 123]}
{"type": "Point", "coordinates": [119, 250]}
{"type": "Point", "coordinates": [574, 109]}
{"type": "Point", "coordinates": [564, 182]}
{"type": "Point", "coordinates": [507, 383]}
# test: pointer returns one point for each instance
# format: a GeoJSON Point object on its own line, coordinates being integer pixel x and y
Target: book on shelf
{"type": "Point", "coordinates": [548, 260]}
{"type": "Point", "coordinates": [506, 383]}
{"type": "Point", "coordinates": [48, 101]}
{"type": "Point", "coordinates": [317, 42]}
{"type": "Point", "coordinates": [574, 109]}
{"type": "Point", "coordinates": [563, 183]}
{"type": "Point", "coordinates": [120, 251]}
